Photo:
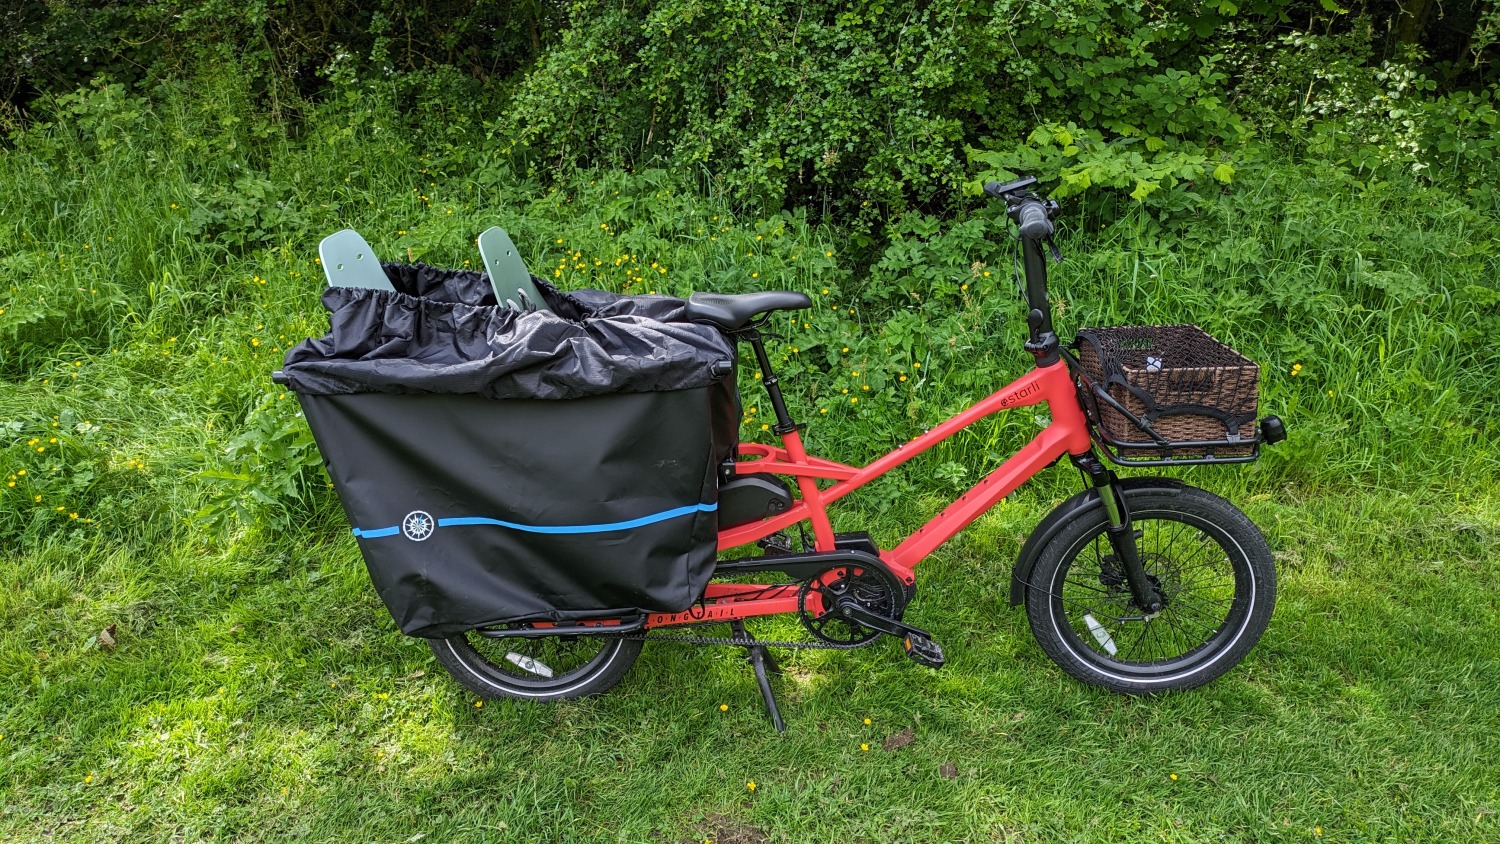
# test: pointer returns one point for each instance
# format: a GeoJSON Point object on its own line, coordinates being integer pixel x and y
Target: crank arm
{"type": "Point", "coordinates": [850, 609]}
{"type": "Point", "coordinates": [918, 644]}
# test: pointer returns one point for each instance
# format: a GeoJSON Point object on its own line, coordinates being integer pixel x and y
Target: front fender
{"type": "Point", "coordinates": [1078, 505]}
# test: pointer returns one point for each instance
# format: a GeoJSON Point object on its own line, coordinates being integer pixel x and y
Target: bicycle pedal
{"type": "Point", "coordinates": [923, 651]}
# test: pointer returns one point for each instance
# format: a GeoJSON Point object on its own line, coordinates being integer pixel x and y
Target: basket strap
{"type": "Point", "coordinates": [1145, 397]}
{"type": "Point", "coordinates": [1232, 421]}
{"type": "Point", "coordinates": [1145, 426]}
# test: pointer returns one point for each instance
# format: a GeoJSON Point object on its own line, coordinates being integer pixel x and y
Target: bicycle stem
{"type": "Point", "coordinates": [1043, 343]}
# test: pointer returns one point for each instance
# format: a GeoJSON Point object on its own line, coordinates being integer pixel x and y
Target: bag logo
{"type": "Point", "coordinates": [417, 525]}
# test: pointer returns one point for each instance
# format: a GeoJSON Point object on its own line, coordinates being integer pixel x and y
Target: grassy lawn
{"type": "Point", "coordinates": [258, 692]}
{"type": "Point", "coordinates": [190, 648]}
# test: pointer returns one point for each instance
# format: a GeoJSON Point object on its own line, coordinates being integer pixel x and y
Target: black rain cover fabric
{"type": "Point", "coordinates": [440, 332]}
{"type": "Point", "coordinates": [471, 511]}
{"type": "Point", "coordinates": [499, 467]}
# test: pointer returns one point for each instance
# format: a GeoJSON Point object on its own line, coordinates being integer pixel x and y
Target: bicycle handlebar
{"type": "Point", "coordinates": [1032, 215]}
{"type": "Point", "coordinates": [1032, 218]}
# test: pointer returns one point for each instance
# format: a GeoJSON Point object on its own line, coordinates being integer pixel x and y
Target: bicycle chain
{"type": "Point", "coordinates": [735, 641]}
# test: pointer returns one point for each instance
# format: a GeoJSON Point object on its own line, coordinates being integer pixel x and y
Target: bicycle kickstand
{"type": "Point", "coordinates": [761, 660]}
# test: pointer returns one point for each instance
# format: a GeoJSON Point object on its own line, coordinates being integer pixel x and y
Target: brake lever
{"type": "Point", "coordinates": [1056, 253]}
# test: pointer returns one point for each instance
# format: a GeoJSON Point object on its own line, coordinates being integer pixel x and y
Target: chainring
{"type": "Point", "coordinates": [875, 589]}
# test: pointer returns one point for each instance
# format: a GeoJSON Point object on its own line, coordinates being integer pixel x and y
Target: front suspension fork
{"type": "Point", "coordinates": [1122, 535]}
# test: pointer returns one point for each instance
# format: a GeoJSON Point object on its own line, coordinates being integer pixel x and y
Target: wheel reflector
{"type": "Point", "coordinates": [1106, 641]}
{"type": "Point", "coordinates": [526, 663]}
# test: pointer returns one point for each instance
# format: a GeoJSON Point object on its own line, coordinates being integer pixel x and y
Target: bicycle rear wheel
{"type": "Point", "coordinates": [1211, 565]}
{"type": "Point", "coordinates": [540, 669]}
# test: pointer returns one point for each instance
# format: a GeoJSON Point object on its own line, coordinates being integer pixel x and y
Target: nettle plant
{"type": "Point", "coordinates": [1164, 170]}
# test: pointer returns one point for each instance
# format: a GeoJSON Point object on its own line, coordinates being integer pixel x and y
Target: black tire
{"type": "Point", "coordinates": [578, 666]}
{"type": "Point", "coordinates": [1213, 568]}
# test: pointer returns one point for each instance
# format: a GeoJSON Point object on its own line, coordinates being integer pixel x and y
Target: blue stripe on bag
{"type": "Point", "coordinates": [376, 534]}
{"type": "Point", "coordinates": [599, 528]}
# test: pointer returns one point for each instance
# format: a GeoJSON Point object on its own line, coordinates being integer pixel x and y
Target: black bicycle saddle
{"type": "Point", "coordinates": [731, 311]}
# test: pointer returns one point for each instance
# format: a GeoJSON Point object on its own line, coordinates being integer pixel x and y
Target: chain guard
{"type": "Point", "coordinates": [873, 586]}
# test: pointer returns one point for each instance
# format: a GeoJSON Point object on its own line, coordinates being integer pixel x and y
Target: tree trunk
{"type": "Point", "coordinates": [1411, 20]}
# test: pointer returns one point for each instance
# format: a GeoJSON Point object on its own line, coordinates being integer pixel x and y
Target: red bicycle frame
{"type": "Point", "coordinates": [1066, 434]}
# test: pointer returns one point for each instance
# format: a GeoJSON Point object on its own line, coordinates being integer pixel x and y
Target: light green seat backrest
{"type": "Point", "coordinates": [348, 261]}
{"type": "Point", "coordinates": [508, 274]}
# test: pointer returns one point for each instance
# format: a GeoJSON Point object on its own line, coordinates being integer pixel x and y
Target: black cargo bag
{"type": "Point", "coordinates": [500, 467]}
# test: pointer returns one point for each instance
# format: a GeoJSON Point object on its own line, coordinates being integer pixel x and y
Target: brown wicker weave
{"type": "Point", "coordinates": [1174, 377]}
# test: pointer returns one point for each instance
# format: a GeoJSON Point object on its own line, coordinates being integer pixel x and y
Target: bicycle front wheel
{"type": "Point", "coordinates": [1211, 566]}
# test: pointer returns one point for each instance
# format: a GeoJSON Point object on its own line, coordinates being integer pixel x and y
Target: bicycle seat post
{"type": "Point", "coordinates": [784, 423]}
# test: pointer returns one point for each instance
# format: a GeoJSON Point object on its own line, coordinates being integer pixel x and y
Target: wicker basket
{"type": "Point", "coordinates": [1193, 392]}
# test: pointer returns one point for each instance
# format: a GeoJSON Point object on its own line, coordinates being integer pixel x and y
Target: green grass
{"type": "Point", "coordinates": [257, 690]}
{"type": "Point", "coordinates": [259, 693]}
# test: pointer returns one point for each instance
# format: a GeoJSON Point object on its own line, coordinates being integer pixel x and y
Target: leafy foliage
{"type": "Point", "coordinates": [285, 49]}
{"type": "Point", "coordinates": [160, 227]}
{"type": "Point", "coordinates": [864, 107]}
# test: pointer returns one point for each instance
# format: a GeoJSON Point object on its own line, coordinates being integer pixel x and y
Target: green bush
{"type": "Point", "coordinates": [183, 289]}
{"type": "Point", "coordinates": [861, 109]}
{"type": "Point", "coordinates": [286, 51]}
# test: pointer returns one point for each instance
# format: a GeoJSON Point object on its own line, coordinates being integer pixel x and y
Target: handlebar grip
{"type": "Point", "coordinates": [1031, 217]}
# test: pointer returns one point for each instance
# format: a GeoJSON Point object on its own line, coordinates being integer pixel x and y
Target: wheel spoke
{"type": "Point", "coordinates": [1081, 585]}
{"type": "Point", "coordinates": [1176, 622]}
{"type": "Point", "coordinates": [1203, 557]}
{"type": "Point", "coordinates": [1188, 607]}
